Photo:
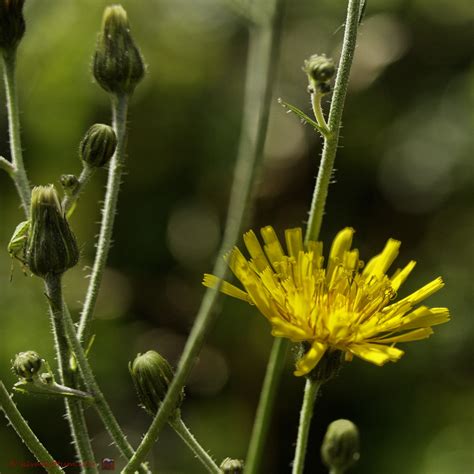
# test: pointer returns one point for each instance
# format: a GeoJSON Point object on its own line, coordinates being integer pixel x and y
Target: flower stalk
{"type": "Point", "coordinates": [20, 425]}
{"type": "Point", "coordinates": [261, 67]}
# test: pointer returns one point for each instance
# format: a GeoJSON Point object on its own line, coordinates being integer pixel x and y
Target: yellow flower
{"type": "Point", "coordinates": [343, 306]}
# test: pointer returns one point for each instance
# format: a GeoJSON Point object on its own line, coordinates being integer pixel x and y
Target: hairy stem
{"type": "Point", "coordinates": [331, 137]}
{"type": "Point", "coordinates": [334, 123]}
{"type": "Point", "coordinates": [183, 431]}
{"type": "Point", "coordinates": [119, 111]}
{"type": "Point", "coordinates": [275, 366]}
{"type": "Point", "coordinates": [70, 201]}
{"type": "Point", "coordinates": [54, 291]}
{"type": "Point", "coordinates": [19, 174]}
{"type": "Point", "coordinates": [261, 69]}
{"type": "Point", "coordinates": [74, 409]}
{"type": "Point", "coordinates": [20, 425]}
{"type": "Point", "coordinates": [310, 392]}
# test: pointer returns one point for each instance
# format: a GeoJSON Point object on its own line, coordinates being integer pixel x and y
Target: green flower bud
{"type": "Point", "coordinates": [52, 247]}
{"type": "Point", "coordinates": [152, 375]}
{"type": "Point", "coordinates": [98, 145]}
{"type": "Point", "coordinates": [232, 466]}
{"type": "Point", "coordinates": [12, 24]}
{"type": "Point", "coordinates": [118, 65]}
{"type": "Point", "coordinates": [70, 183]}
{"type": "Point", "coordinates": [319, 68]}
{"type": "Point", "coordinates": [340, 448]}
{"type": "Point", "coordinates": [27, 364]}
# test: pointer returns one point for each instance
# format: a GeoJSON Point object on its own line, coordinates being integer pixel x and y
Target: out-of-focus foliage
{"type": "Point", "coordinates": [405, 169]}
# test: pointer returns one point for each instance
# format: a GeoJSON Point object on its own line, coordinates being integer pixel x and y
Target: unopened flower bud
{"type": "Point", "coordinates": [52, 247]}
{"type": "Point", "coordinates": [27, 364]}
{"type": "Point", "coordinates": [232, 466]}
{"type": "Point", "coordinates": [152, 375]}
{"type": "Point", "coordinates": [12, 24]}
{"type": "Point", "coordinates": [319, 68]}
{"type": "Point", "coordinates": [118, 65]}
{"type": "Point", "coordinates": [340, 448]}
{"type": "Point", "coordinates": [98, 145]}
{"type": "Point", "coordinates": [70, 183]}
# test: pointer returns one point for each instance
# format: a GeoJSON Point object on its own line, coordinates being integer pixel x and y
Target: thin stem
{"type": "Point", "coordinates": [183, 431]}
{"type": "Point", "coordinates": [310, 392]}
{"type": "Point", "coordinates": [275, 366]}
{"type": "Point", "coordinates": [119, 111]}
{"type": "Point", "coordinates": [20, 425]}
{"type": "Point", "coordinates": [74, 410]}
{"type": "Point", "coordinates": [261, 69]}
{"type": "Point", "coordinates": [335, 119]}
{"type": "Point", "coordinates": [318, 112]}
{"type": "Point", "coordinates": [19, 174]}
{"type": "Point", "coordinates": [317, 208]}
{"type": "Point", "coordinates": [54, 291]}
{"type": "Point", "coordinates": [70, 201]}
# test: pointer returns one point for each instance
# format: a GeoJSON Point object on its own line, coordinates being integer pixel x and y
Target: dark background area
{"type": "Point", "coordinates": [405, 169]}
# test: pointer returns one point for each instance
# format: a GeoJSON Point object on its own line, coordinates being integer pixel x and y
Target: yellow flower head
{"type": "Point", "coordinates": [340, 306]}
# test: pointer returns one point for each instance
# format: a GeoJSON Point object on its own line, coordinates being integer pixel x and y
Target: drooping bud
{"type": "Point", "coordinates": [27, 364]}
{"type": "Point", "coordinates": [340, 448]}
{"type": "Point", "coordinates": [232, 466]}
{"type": "Point", "coordinates": [52, 247]}
{"type": "Point", "coordinates": [320, 70]}
{"type": "Point", "coordinates": [118, 65]}
{"type": "Point", "coordinates": [70, 183]}
{"type": "Point", "coordinates": [12, 24]}
{"type": "Point", "coordinates": [152, 375]}
{"type": "Point", "coordinates": [98, 145]}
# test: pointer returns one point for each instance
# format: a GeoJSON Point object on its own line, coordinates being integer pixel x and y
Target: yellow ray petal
{"type": "Point", "coordinates": [400, 276]}
{"type": "Point", "coordinates": [377, 354]}
{"type": "Point", "coordinates": [416, 335]}
{"type": "Point", "coordinates": [211, 281]}
{"type": "Point", "coordinates": [424, 292]}
{"type": "Point", "coordinates": [272, 246]}
{"type": "Point", "coordinates": [377, 266]}
{"type": "Point", "coordinates": [294, 241]}
{"type": "Point", "coordinates": [341, 244]}
{"type": "Point", "coordinates": [283, 328]}
{"type": "Point", "coordinates": [255, 251]}
{"type": "Point", "coordinates": [429, 317]}
{"type": "Point", "coordinates": [309, 361]}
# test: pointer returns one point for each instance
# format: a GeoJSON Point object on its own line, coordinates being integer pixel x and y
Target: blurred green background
{"type": "Point", "coordinates": [405, 169]}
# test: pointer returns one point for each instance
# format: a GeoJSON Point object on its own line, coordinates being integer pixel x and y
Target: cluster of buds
{"type": "Point", "coordinates": [320, 70]}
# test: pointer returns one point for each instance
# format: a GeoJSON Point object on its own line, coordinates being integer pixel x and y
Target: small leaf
{"type": "Point", "coordinates": [304, 118]}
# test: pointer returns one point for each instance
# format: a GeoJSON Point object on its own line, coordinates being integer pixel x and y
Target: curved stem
{"type": "Point", "coordinates": [75, 415]}
{"type": "Point", "coordinates": [310, 392]}
{"type": "Point", "coordinates": [334, 123]}
{"type": "Point", "coordinates": [19, 174]}
{"type": "Point", "coordinates": [70, 201]}
{"type": "Point", "coordinates": [261, 69]}
{"type": "Point", "coordinates": [20, 425]}
{"type": "Point", "coordinates": [119, 110]}
{"type": "Point", "coordinates": [318, 113]}
{"type": "Point", "coordinates": [331, 138]}
{"type": "Point", "coordinates": [54, 291]}
{"type": "Point", "coordinates": [268, 394]}
{"type": "Point", "coordinates": [183, 431]}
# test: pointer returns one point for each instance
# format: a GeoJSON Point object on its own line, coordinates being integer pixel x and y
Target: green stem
{"type": "Point", "coordinates": [119, 111]}
{"type": "Point", "coordinates": [20, 425]}
{"type": "Point", "coordinates": [19, 174]}
{"type": "Point", "coordinates": [54, 291]}
{"type": "Point", "coordinates": [261, 68]}
{"type": "Point", "coordinates": [275, 366]}
{"type": "Point", "coordinates": [70, 201]}
{"type": "Point", "coordinates": [335, 119]}
{"type": "Point", "coordinates": [310, 392]}
{"type": "Point", "coordinates": [331, 138]}
{"type": "Point", "coordinates": [74, 409]}
{"type": "Point", "coordinates": [318, 112]}
{"type": "Point", "coordinates": [183, 431]}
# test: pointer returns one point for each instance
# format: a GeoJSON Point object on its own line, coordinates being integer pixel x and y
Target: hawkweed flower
{"type": "Point", "coordinates": [342, 305]}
